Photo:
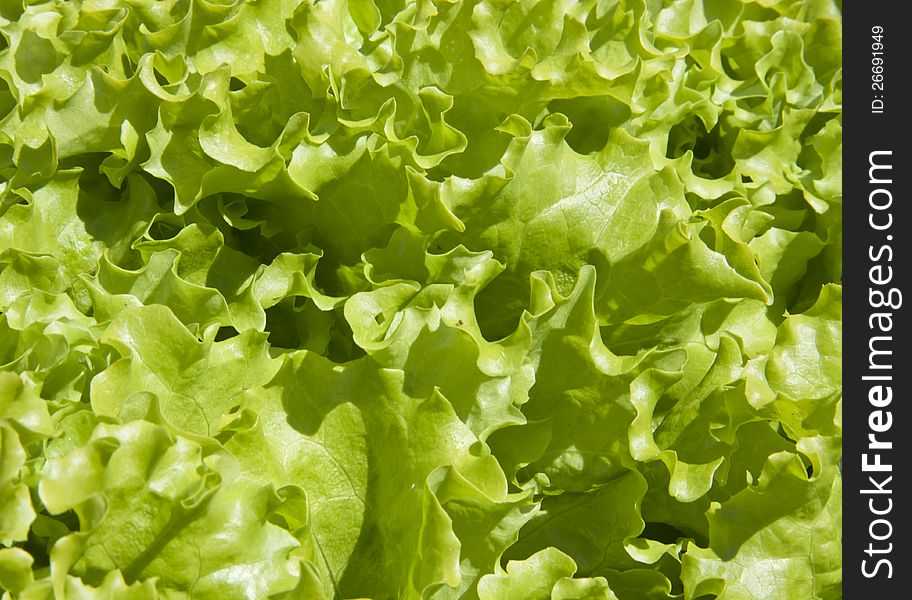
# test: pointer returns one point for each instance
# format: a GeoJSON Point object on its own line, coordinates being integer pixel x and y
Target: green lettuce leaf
{"type": "Point", "coordinates": [420, 300]}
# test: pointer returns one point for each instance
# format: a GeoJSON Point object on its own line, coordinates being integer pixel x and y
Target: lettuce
{"type": "Point", "coordinates": [481, 299]}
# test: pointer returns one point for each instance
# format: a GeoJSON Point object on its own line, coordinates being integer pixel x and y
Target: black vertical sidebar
{"type": "Point", "coordinates": [877, 268]}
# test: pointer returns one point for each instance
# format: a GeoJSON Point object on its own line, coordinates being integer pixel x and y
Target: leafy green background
{"type": "Point", "coordinates": [481, 299]}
